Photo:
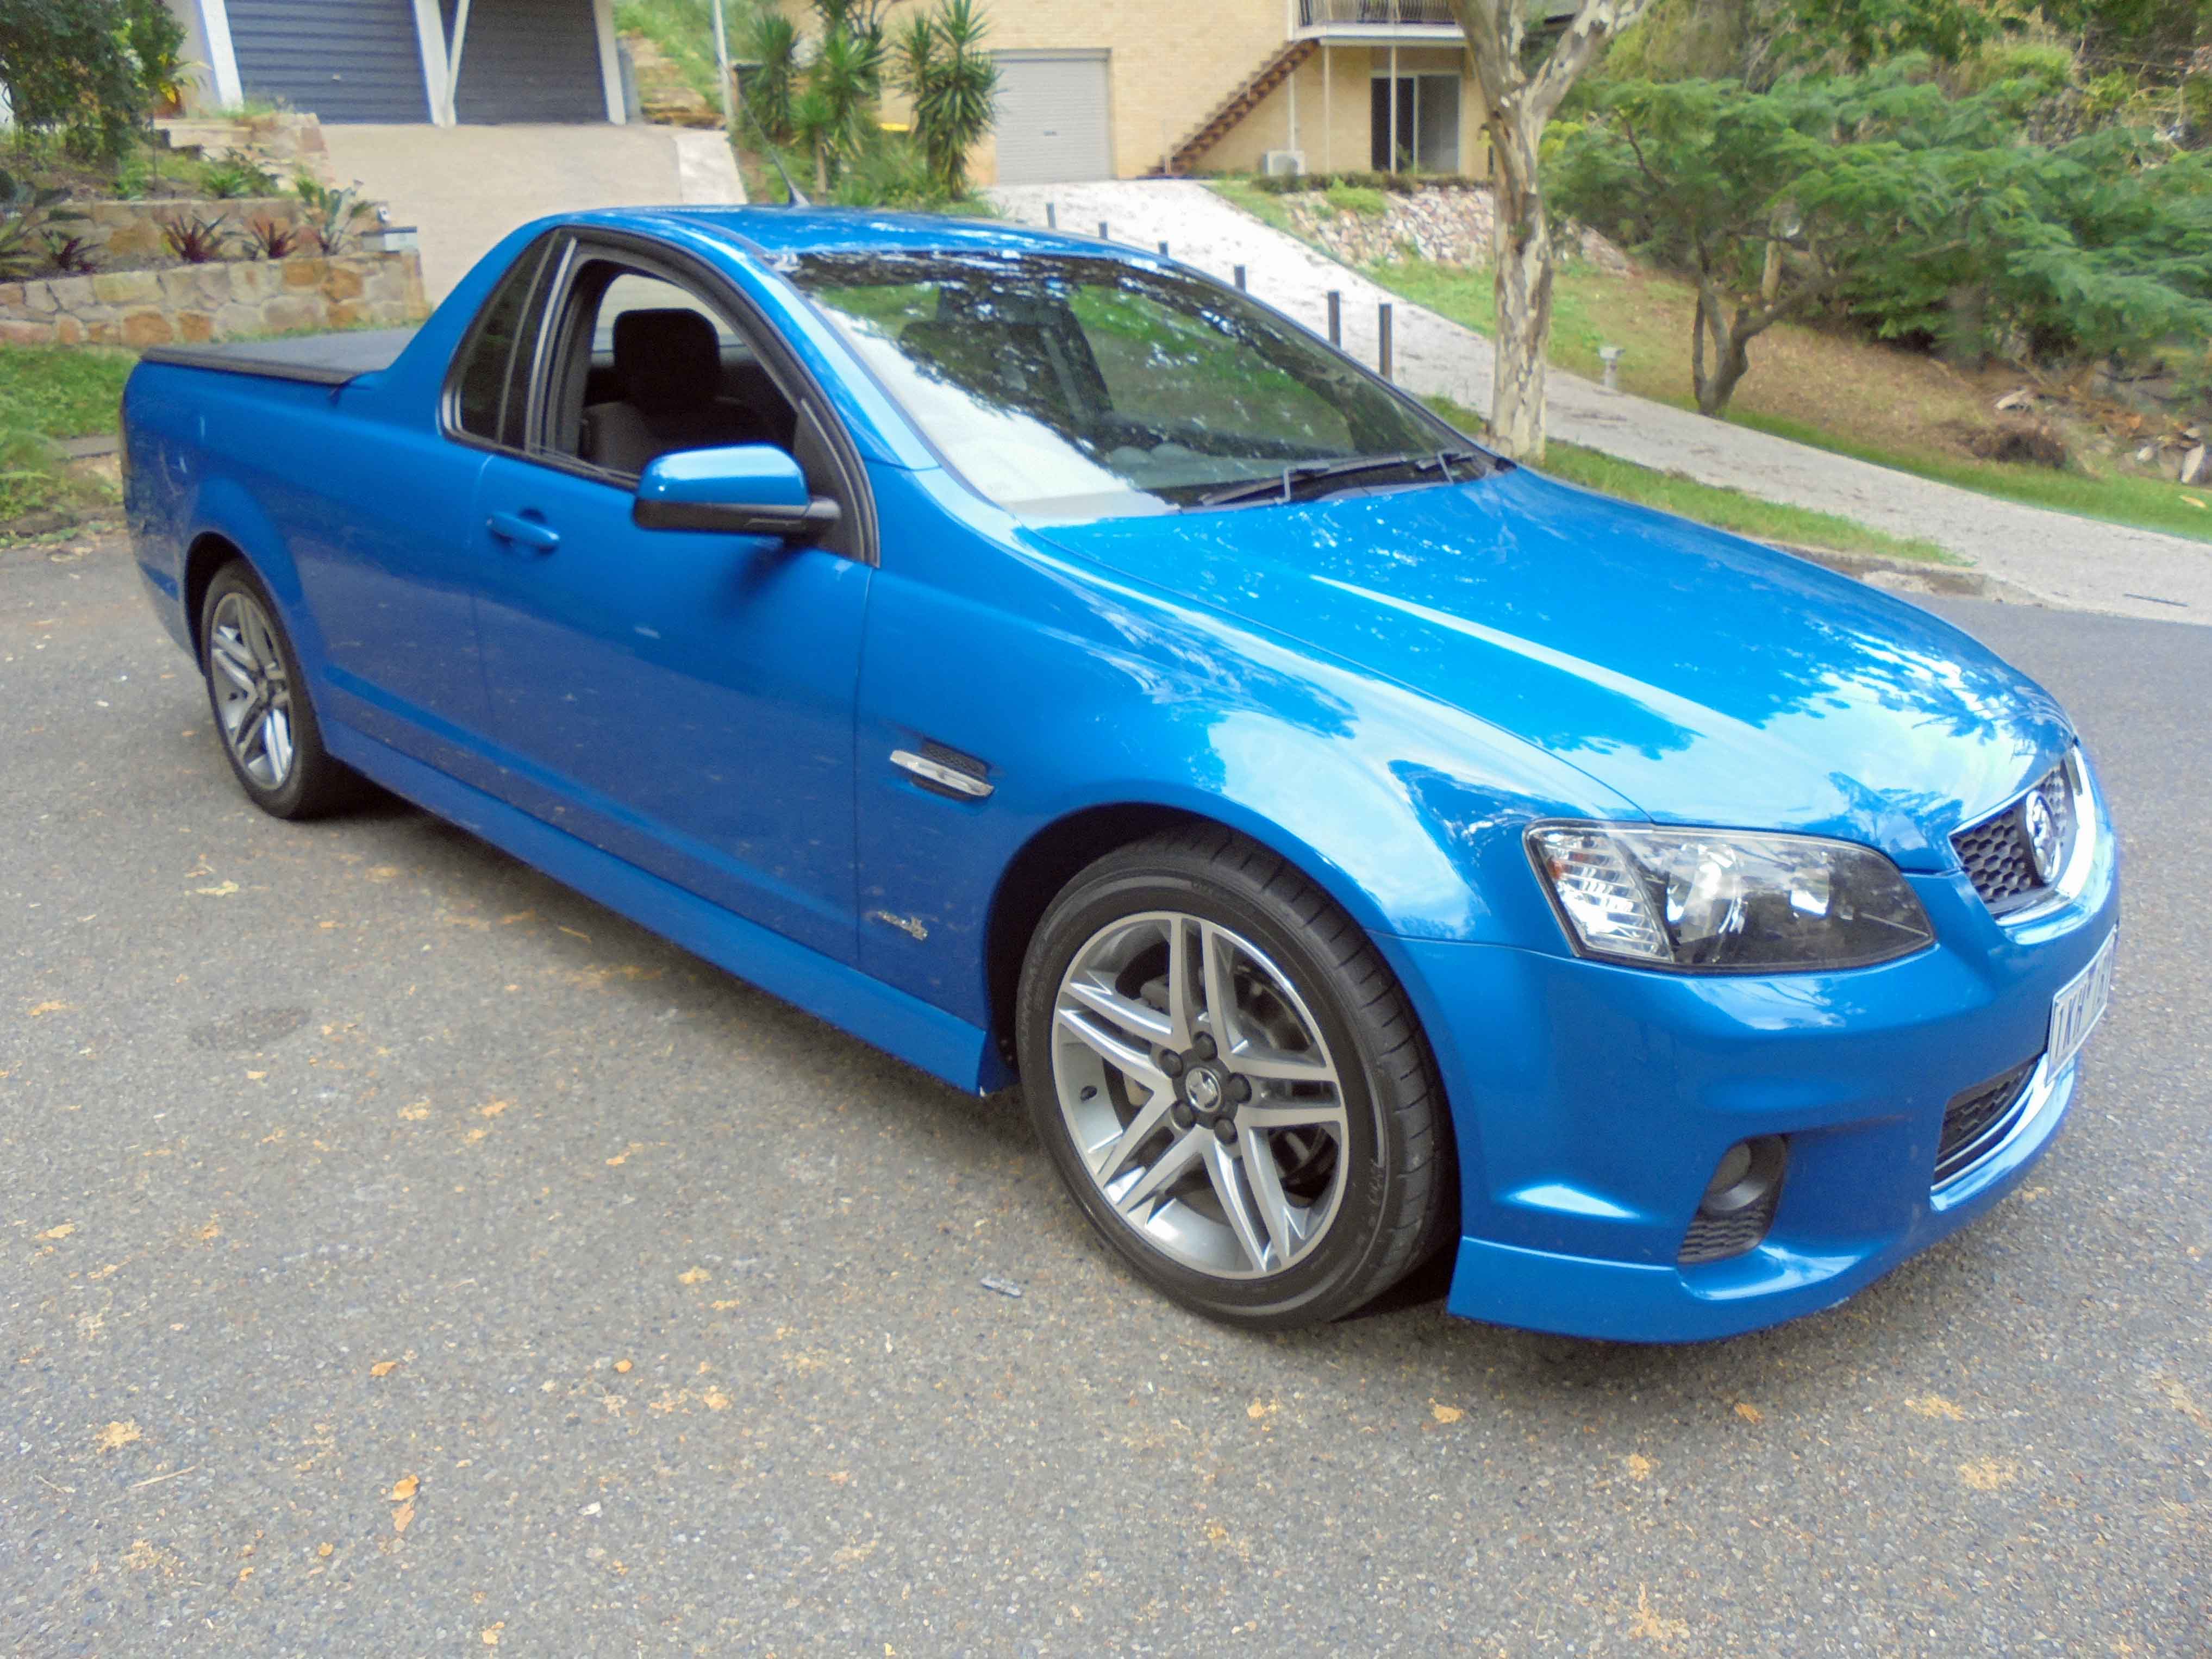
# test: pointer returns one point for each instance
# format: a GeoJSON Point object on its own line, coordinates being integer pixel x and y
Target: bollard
{"type": "Point", "coordinates": [1240, 278]}
{"type": "Point", "coordinates": [1103, 236]}
{"type": "Point", "coordinates": [1052, 216]}
{"type": "Point", "coordinates": [1610, 356]}
{"type": "Point", "coordinates": [1382, 340]}
{"type": "Point", "coordinates": [1164, 250]}
{"type": "Point", "coordinates": [1335, 319]}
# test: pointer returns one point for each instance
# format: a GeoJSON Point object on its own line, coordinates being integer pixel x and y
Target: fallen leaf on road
{"type": "Point", "coordinates": [1989, 1475]}
{"type": "Point", "coordinates": [491, 1633]}
{"type": "Point", "coordinates": [495, 1109]}
{"type": "Point", "coordinates": [1749, 1413]}
{"type": "Point", "coordinates": [715, 1399]}
{"type": "Point", "coordinates": [383, 1368]}
{"type": "Point", "coordinates": [416, 1113]}
{"type": "Point", "coordinates": [45, 1008]}
{"type": "Point", "coordinates": [116, 1436]}
{"type": "Point", "coordinates": [1935, 1405]}
{"type": "Point", "coordinates": [403, 1489]}
{"type": "Point", "coordinates": [1640, 1467]}
{"type": "Point", "coordinates": [62, 1232]}
{"type": "Point", "coordinates": [622, 1365]}
{"type": "Point", "coordinates": [324, 1550]}
{"type": "Point", "coordinates": [384, 872]}
{"type": "Point", "coordinates": [1649, 1625]}
{"type": "Point", "coordinates": [255, 1076]}
{"type": "Point", "coordinates": [694, 1276]}
{"type": "Point", "coordinates": [403, 1517]}
{"type": "Point", "coordinates": [1445, 1413]}
{"type": "Point", "coordinates": [224, 890]}
{"type": "Point", "coordinates": [474, 1135]}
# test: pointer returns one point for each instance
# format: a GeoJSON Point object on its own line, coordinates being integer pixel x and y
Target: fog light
{"type": "Point", "coordinates": [1739, 1201]}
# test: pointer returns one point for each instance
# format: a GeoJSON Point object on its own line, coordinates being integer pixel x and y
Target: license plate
{"type": "Point", "coordinates": [2078, 1006]}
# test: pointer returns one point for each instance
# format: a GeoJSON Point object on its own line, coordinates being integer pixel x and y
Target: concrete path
{"type": "Point", "coordinates": [2080, 564]}
{"type": "Point", "coordinates": [465, 187]}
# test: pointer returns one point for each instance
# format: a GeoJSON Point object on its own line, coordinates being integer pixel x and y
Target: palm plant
{"type": "Point", "coordinates": [954, 83]}
{"type": "Point", "coordinates": [835, 112]}
{"type": "Point", "coordinates": [771, 88]}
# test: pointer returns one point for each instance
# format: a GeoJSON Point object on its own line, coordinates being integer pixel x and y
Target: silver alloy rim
{"type": "Point", "coordinates": [253, 694]}
{"type": "Point", "coordinates": [1200, 1094]}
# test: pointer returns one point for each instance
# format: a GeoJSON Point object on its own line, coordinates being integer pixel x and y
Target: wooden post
{"type": "Point", "coordinates": [1383, 352]}
{"type": "Point", "coordinates": [1335, 318]}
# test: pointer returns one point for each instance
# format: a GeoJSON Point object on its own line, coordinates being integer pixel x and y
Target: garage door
{"type": "Point", "coordinates": [343, 60]}
{"type": "Point", "coordinates": [1051, 118]}
{"type": "Point", "coordinates": [529, 60]}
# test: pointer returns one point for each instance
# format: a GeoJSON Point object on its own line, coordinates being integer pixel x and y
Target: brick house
{"type": "Point", "coordinates": [1119, 88]}
{"type": "Point", "coordinates": [435, 62]}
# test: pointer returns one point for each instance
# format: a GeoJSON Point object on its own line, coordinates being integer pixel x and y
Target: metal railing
{"type": "Point", "coordinates": [1320, 14]}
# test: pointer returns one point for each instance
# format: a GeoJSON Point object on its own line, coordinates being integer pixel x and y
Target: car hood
{"type": "Point", "coordinates": [1706, 679]}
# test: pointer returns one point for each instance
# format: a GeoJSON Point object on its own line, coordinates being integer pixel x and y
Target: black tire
{"type": "Point", "coordinates": [1398, 1195]}
{"type": "Point", "coordinates": [312, 785]}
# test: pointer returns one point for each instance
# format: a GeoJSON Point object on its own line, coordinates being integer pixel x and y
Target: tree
{"type": "Point", "coordinates": [67, 67]}
{"type": "Point", "coordinates": [835, 109]}
{"type": "Point", "coordinates": [1520, 101]}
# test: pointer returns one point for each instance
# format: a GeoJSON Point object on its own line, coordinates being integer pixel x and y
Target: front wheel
{"type": "Point", "coordinates": [262, 711]}
{"type": "Point", "coordinates": [1231, 1083]}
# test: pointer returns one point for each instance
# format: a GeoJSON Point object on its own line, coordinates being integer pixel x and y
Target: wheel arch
{"type": "Point", "coordinates": [210, 551]}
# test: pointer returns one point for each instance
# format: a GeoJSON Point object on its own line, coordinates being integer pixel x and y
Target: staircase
{"type": "Point", "coordinates": [1240, 104]}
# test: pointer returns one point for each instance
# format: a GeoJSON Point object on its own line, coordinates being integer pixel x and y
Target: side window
{"type": "Point", "coordinates": [650, 367]}
{"type": "Point", "coordinates": [492, 390]}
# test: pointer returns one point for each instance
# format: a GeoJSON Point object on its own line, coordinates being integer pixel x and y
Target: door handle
{"type": "Point", "coordinates": [524, 530]}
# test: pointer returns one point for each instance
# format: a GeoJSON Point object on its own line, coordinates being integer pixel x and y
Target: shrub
{"type": "Point", "coordinates": [1368, 204]}
{"type": "Point", "coordinates": [235, 173]}
{"type": "Point", "coordinates": [67, 69]}
{"type": "Point", "coordinates": [953, 81]}
{"type": "Point", "coordinates": [268, 239]}
{"type": "Point", "coordinates": [25, 209]}
{"type": "Point", "coordinates": [331, 213]}
{"type": "Point", "coordinates": [70, 255]}
{"type": "Point", "coordinates": [196, 239]}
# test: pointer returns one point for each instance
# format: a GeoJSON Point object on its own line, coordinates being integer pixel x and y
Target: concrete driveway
{"type": "Point", "coordinates": [2059, 559]}
{"type": "Point", "coordinates": [465, 187]}
{"type": "Point", "coordinates": [399, 1254]}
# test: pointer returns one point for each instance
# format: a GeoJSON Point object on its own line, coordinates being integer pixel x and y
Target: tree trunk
{"type": "Point", "coordinates": [1731, 343]}
{"type": "Point", "coordinates": [1522, 250]}
{"type": "Point", "coordinates": [821, 171]}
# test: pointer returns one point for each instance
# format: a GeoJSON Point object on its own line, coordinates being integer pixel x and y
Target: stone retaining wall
{"type": "Point", "coordinates": [285, 142]}
{"type": "Point", "coordinates": [120, 233]}
{"type": "Point", "coordinates": [1450, 224]}
{"type": "Point", "coordinates": [226, 300]}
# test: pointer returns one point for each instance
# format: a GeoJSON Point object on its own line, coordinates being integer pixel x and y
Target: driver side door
{"type": "Point", "coordinates": [683, 699]}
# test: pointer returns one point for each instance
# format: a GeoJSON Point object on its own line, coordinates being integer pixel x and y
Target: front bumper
{"type": "Point", "coordinates": [1591, 1103]}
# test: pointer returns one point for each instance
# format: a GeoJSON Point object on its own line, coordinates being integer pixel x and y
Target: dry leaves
{"type": "Point", "coordinates": [1989, 1475]}
{"type": "Point", "coordinates": [495, 1109]}
{"type": "Point", "coordinates": [1445, 1413]}
{"type": "Point", "coordinates": [62, 1232]}
{"type": "Point", "coordinates": [623, 1366]}
{"type": "Point", "coordinates": [1749, 1413]}
{"type": "Point", "coordinates": [491, 1633]}
{"type": "Point", "coordinates": [416, 1113]}
{"type": "Point", "coordinates": [1651, 1627]}
{"type": "Point", "coordinates": [116, 1436]}
{"type": "Point", "coordinates": [383, 1368]}
{"type": "Point", "coordinates": [1640, 1467]}
{"type": "Point", "coordinates": [403, 1517]}
{"type": "Point", "coordinates": [224, 890]}
{"type": "Point", "coordinates": [406, 1488]}
{"type": "Point", "coordinates": [694, 1276]}
{"type": "Point", "coordinates": [45, 1008]}
{"type": "Point", "coordinates": [1934, 1405]}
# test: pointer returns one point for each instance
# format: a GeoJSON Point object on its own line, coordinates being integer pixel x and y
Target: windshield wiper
{"type": "Point", "coordinates": [1286, 484]}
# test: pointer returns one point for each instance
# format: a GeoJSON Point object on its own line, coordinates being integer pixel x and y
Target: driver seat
{"type": "Point", "coordinates": [668, 365]}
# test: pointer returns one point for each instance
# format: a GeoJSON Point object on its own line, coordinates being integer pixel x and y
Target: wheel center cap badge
{"type": "Point", "coordinates": [2042, 826]}
{"type": "Point", "coordinates": [1203, 1087]}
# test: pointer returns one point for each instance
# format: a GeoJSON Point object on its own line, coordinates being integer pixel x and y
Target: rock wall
{"type": "Point", "coordinates": [1451, 224]}
{"type": "Point", "coordinates": [226, 300]}
{"type": "Point", "coordinates": [129, 233]}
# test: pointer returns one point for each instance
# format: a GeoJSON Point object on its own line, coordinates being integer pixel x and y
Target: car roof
{"type": "Point", "coordinates": [781, 230]}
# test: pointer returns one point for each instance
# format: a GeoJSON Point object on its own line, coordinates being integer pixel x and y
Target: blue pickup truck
{"type": "Point", "coordinates": [1047, 663]}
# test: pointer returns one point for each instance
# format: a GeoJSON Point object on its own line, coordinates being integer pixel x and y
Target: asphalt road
{"type": "Point", "coordinates": [398, 1255]}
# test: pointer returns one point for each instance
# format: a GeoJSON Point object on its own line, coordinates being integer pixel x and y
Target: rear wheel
{"type": "Point", "coordinates": [1231, 1083]}
{"type": "Point", "coordinates": [259, 698]}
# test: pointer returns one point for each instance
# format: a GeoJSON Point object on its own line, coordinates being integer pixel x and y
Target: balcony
{"type": "Point", "coordinates": [1408, 22]}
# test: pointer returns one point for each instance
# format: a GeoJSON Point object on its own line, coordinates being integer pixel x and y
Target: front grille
{"type": "Point", "coordinates": [1996, 852]}
{"type": "Point", "coordinates": [1975, 1121]}
{"type": "Point", "coordinates": [1716, 1238]}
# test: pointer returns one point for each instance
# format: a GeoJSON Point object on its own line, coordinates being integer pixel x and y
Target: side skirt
{"type": "Point", "coordinates": [900, 1025]}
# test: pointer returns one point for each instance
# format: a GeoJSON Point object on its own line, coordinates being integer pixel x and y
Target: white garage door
{"type": "Point", "coordinates": [1051, 118]}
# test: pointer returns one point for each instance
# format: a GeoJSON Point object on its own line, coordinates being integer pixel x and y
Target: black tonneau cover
{"type": "Point", "coordinates": [318, 359]}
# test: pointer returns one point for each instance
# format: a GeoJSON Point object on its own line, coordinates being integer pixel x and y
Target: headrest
{"type": "Point", "coordinates": [668, 360]}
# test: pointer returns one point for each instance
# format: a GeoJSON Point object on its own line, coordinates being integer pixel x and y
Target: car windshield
{"type": "Point", "coordinates": [1068, 387]}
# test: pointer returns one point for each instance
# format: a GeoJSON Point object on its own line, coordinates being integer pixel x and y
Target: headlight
{"type": "Point", "coordinates": [1703, 901]}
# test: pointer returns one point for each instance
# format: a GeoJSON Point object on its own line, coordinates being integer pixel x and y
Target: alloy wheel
{"type": "Point", "coordinates": [252, 691]}
{"type": "Point", "coordinates": [1200, 1094]}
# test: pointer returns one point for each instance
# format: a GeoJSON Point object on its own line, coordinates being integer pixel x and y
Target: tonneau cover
{"type": "Point", "coordinates": [319, 359]}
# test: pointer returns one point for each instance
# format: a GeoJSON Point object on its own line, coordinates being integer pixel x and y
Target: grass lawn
{"type": "Point", "coordinates": [1895, 409]}
{"type": "Point", "coordinates": [48, 392]}
{"type": "Point", "coordinates": [1724, 509]}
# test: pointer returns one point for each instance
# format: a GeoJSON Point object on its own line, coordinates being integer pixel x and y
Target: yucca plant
{"type": "Point", "coordinates": [771, 88]}
{"type": "Point", "coordinates": [835, 112]}
{"type": "Point", "coordinates": [954, 83]}
{"type": "Point", "coordinates": [268, 240]}
{"type": "Point", "coordinates": [195, 239]}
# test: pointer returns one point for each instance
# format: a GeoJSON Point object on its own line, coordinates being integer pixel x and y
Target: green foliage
{"type": "Point", "coordinates": [333, 214]}
{"type": "Point", "coordinates": [155, 40]}
{"type": "Point", "coordinates": [67, 69]}
{"type": "Point", "coordinates": [942, 65]}
{"type": "Point", "coordinates": [194, 238]}
{"type": "Point", "coordinates": [25, 211]}
{"type": "Point", "coordinates": [772, 88]}
{"type": "Point", "coordinates": [235, 173]}
{"type": "Point", "coordinates": [1362, 199]}
{"type": "Point", "coordinates": [1396, 183]}
{"type": "Point", "coordinates": [1930, 216]}
{"type": "Point", "coordinates": [834, 113]}
{"type": "Point", "coordinates": [62, 391]}
{"type": "Point", "coordinates": [891, 172]}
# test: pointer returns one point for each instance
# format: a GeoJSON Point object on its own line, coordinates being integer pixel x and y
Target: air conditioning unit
{"type": "Point", "coordinates": [1279, 163]}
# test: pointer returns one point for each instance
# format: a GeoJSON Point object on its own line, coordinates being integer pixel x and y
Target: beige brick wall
{"type": "Point", "coordinates": [1173, 62]}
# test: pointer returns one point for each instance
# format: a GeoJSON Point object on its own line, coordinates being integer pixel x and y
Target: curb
{"type": "Point", "coordinates": [1956, 581]}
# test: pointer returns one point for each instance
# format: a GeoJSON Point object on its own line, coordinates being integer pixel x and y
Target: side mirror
{"type": "Point", "coordinates": [742, 489]}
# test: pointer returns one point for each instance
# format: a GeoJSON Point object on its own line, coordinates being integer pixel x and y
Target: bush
{"type": "Point", "coordinates": [66, 68]}
{"type": "Point", "coordinates": [1367, 203]}
{"type": "Point", "coordinates": [1397, 184]}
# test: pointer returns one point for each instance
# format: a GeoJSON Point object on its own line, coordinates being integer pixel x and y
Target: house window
{"type": "Point", "coordinates": [1424, 135]}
